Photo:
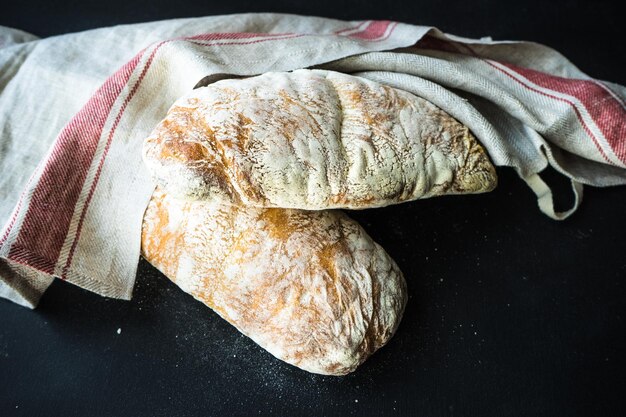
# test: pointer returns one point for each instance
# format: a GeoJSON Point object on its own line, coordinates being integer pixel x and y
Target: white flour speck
{"type": "Point", "coordinates": [119, 330]}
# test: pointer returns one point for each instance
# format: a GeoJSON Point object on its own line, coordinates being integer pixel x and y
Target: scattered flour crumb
{"type": "Point", "coordinates": [119, 330]}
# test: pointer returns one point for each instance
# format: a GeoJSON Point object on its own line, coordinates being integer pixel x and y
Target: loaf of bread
{"type": "Point", "coordinates": [313, 140]}
{"type": "Point", "coordinates": [311, 287]}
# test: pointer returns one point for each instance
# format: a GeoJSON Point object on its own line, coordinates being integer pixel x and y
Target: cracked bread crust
{"type": "Point", "coordinates": [313, 140]}
{"type": "Point", "coordinates": [310, 287]}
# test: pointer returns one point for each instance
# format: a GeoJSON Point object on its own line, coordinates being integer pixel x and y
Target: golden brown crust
{"type": "Point", "coordinates": [313, 140]}
{"type": "Point", "coordinates": [310, 287]}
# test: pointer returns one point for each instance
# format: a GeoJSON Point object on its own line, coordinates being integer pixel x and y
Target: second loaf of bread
{"type": "Point", "coordinates": [312, 288]}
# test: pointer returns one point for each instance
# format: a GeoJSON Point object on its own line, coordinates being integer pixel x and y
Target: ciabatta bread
{"type": "Point", "coordinates": [312, 288]}
{"type": "Point", "coordinates": [313, 139]}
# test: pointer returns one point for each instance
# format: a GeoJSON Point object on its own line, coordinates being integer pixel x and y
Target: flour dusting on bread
{"type": "Point", "coordinates": [313, 139]}
{"type": "Point", "coordinates": [310, 287]}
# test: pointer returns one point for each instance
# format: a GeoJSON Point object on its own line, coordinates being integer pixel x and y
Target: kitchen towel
{"type": "Point", "coordinates": [74, 110]}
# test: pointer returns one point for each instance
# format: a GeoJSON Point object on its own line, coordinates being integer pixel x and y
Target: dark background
{"type": "Point", "coordinates": [510, 313]}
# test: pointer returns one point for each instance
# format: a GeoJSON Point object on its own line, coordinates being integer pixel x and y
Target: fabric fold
{"type": "Point", "coordinates": [74, 110]}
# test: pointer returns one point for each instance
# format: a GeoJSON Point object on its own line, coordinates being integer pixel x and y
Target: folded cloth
{"type": "Point", "coordinates": [74, 110]}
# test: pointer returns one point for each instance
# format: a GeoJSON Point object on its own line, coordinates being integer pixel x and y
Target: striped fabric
{"type": "Point", "coordinates": [76, 108]}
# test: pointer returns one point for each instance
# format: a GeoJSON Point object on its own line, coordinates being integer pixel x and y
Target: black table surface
{"type": "Point", "coordinates": [509, 313]}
